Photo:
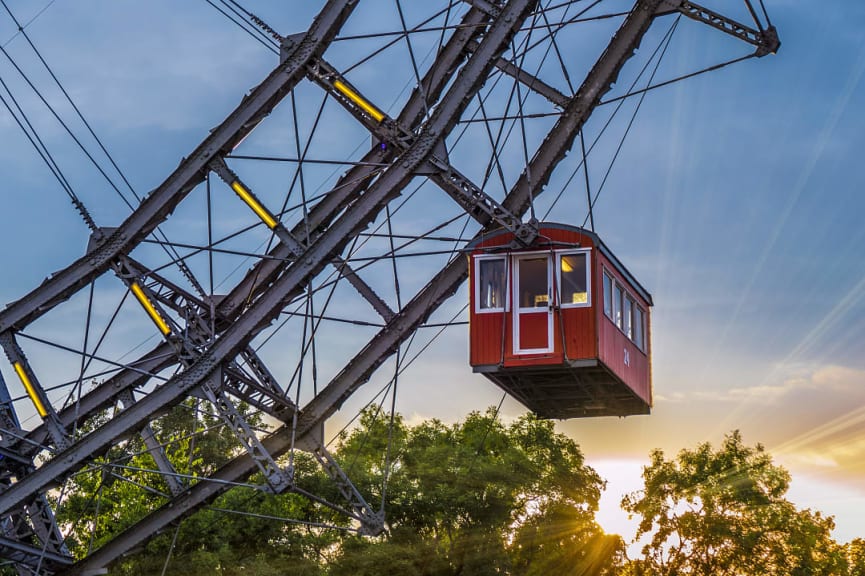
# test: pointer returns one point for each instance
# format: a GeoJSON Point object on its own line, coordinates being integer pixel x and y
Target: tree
{"type": "Point", "coordinates": [473, 498]}
{"type": "Point", "coordinates": [478, 497]}
{"type": "Point", "coordinates": [855, 553]}
{"type": "Point", "coordinates": [237, 534]}
{"type": "Point", "coordinates": [724, 513]}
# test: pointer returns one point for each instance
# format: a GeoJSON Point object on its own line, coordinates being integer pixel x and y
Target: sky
{"type": "Point", "coordinates": [735, 199]}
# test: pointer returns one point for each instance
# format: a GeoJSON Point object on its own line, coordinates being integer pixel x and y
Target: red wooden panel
{"type": "Point", "coordinates": [579, 332]}
{"type": "Point", "coordinates": [615, 349]}
{"type": "Point", "coordinates": [534, 330]}
{"type": "Point", "coordinates": [487, 332]}
{"type": "Point", "coordinates": [529, 360]}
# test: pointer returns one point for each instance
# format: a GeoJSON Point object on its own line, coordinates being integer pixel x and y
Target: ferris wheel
{"type": "Point", "coordinates": [309, 248]}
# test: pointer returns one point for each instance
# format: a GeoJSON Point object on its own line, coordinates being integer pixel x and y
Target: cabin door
{"type": "Point", "coordinates": [533, 304]}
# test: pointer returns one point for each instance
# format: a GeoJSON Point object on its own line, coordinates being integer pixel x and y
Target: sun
{"type": "Point", "coordinates": [623, 476]}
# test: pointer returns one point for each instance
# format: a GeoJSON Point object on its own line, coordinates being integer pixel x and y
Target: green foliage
{"type": "Point", "coordinates": [723, 512]}
{"type": "Point", "coordinates": [474, 498]}
{"type": "Point", "coordinates": [854, 551]}
{"type": "Point", "coordinates": [121, 487]}
{"type": "Point", "coordinates": [479, 497]}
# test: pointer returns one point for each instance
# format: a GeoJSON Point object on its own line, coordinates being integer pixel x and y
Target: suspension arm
{"type": "Point", "coordinates": [766, 40]}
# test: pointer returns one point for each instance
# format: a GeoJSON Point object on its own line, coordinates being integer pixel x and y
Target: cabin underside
{"type": "Point", "coordinates": [579, 389]}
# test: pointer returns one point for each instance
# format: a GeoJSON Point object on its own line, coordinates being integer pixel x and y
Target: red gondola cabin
{"type": "Point", "coordinates": [562, 325]}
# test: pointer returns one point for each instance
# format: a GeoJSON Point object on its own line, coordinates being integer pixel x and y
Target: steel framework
{"type": "Point", "coordinates": [210, 346]}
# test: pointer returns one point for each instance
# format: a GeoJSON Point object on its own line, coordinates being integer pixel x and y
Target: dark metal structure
{"type": "Point", "coordinates": [209, 345]}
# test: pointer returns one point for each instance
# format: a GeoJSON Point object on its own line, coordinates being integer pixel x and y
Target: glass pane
{"type": "Point", "coordinates": [608, 295]}
{"type": "Point", "coordinates": [627, 317]}
{"type": "Point", "coordinates": [638, 327]}
{"type": "Point", "coordinates": [617, 305]}
{"type": "Point", "coordinates": [491, 283]}
{"type": "Point", "coordinates": [574, 283]}
{"type": "Point", "coordinates": [534, 288]}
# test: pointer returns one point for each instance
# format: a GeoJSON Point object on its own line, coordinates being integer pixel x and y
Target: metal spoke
{"type": "Point", "coordinates": [238, 290]}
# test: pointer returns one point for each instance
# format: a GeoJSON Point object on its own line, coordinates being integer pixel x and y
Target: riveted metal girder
{"type": "Point", "coordinates": [472, 26]}
{"type": "Point", "coordinates": [359, 177]}
{"type": "Point", "coordinates": [766, 40]}
{"type": "Point", "coordinates": [191, 171]}
{"type": "Point", "coordinates": [338, 218]}
{"type": "Point", "coordinates": [381, 346]}
{"type": "Point", "coordinates": [268, 306]}
{"type": "Point", "coordinates": [29, 555]}
{"type": "Point", "coordinates": [472, 198]}
{"type": "Point", "coordinates": [453, 52]}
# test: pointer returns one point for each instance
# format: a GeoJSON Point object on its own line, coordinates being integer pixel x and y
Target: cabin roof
{"type": "Point", "coordinates": [542, 242]}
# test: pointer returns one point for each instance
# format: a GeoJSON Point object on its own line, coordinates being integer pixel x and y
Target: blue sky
{"type": "Point", "coordinates": [736, 200]}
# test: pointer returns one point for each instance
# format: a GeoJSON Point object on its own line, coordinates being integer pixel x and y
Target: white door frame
{"type": "Point", "coordinates": [518, 310]}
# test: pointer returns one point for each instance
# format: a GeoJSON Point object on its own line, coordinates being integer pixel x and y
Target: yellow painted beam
{"type": "Point", "coordinates": [256, 206]}
{"type": "Point", "coordinates": [357, 99]}
{"type": "Point", "coordinates": [31, 391]}
{"type": "Point", "coordinates": [150, 309]}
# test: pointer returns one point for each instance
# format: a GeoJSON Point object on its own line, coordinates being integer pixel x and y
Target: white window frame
{"type": "Point", "coordinates": [559, 295]}
{"type": "Point", "coordinates": [628, 305]}
{"type": "Point", "coordinates": [477, 284]}
{"type": "Point", "coordinates": [619, 305]}
{"type": "Point", "coordinates": [641, 326]}
{"type": "Point", "coordinates": [604, 277]}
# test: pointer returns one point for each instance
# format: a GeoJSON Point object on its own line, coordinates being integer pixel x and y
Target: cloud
{"type": "Point", "coordinates": [837, 379]}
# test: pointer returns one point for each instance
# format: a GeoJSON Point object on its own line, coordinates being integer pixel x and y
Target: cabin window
{"type": "Point", "coordinates": [491, 288]}
{"type": "Point", "coordinates": [628, 317]}
{"type": "Point", "coordinates": [533, 283]}
{"type": "Point", "coordinates": [639, 328]}
{"type": "Point", "coordinates": [624, 311]}
{"type": "Point", "coordinates": [608, 295]}
{"type": "Point", "coordinates": [574, 279]}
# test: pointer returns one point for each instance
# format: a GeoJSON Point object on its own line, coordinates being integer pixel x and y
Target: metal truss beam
{"type": "Point", "coordinates": [266, 295]}
{"type": "Point", "coordinates": [766, 40]}
{"type": "Point", "coordinates": [31, 556]}
{"type": "Point", "coordinates": [192, 170]}
{"type": "Point", "coordinates": [265, 272]}
{"type": "Point", "coordinates": [158, 359]}
{"type": "Point", "coordinates": [472, 198]}
{"type": "Point", "coordinates": [371, 523]}
{"type": "Point", "coordinates": [387, 187]}
{"type": "Point", "coordinates": [267, 307]}
{"type": "Point", "coordinates": [442, 286]}
{"type": "Point", "coordinates": [275, 476]}
{"type": "Point", "coordinates": [531, 81]}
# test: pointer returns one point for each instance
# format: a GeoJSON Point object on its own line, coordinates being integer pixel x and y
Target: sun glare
{"type": "Point", "coordinates": [623, 477]}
